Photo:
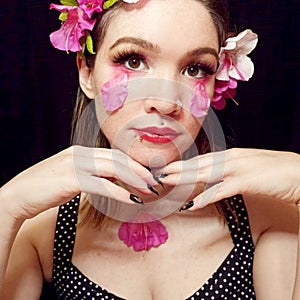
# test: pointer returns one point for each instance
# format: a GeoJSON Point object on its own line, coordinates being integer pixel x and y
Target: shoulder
{"type": "Point", "coordinates": [274, 227]}
{"type": "Point", "coordinates": [267, 215]}
{"type": "Point", "coordinates": [39, 232]}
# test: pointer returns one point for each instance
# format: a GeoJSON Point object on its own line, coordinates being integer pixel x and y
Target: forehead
{"type": "Point", "coordinates": [186, 24]}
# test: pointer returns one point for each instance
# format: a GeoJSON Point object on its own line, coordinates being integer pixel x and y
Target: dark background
{"type": "Point", "coordinates": [38, 83]}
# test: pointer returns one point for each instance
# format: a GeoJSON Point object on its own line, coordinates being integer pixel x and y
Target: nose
{"type": "Point", "coordinates": [163, 106]}
{"type": "Point", "coordinates": [164, 97]}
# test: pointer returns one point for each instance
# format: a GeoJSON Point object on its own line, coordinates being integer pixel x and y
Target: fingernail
{"type": "Point", "coordinates": [136, 199]}
{"type": "Point", "coordinates": [157, 178]}
{"type": "Point", "coordinates": [150, 187]}
{"type": "Point", "coordinates": [187, 205]}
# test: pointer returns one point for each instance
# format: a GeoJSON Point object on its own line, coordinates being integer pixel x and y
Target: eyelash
{"type": "Point", "coordinates": [208, 69]}
{"type": "Point", "coordinates": [124, 55]}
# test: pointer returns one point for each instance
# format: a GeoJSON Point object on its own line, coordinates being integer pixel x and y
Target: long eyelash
{"type": "Point", "coordinates": [123, 55]}
{"type": "Point", "coordinates": [208, 68]}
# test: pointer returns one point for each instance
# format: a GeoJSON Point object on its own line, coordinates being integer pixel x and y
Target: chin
{"type": "Point", "coordinates": [154, 158]}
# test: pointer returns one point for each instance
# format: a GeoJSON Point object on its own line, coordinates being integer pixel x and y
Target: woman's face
{"type": "Point", "coordinates": [169, 44]}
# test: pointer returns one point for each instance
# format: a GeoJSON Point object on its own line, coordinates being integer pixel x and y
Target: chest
{"type": "Point", "coordinates": [175, 270]}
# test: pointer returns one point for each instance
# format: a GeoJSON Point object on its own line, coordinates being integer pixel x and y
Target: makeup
{"type": "Point", "coordinates": [156, 134]}
{"type": "Point", "coordinates": [200, 101]}
{"type": "Point", "coordinates": [114, 92]}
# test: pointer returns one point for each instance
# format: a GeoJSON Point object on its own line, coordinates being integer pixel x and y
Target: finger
{"type": "Point", "coordinates": [119, 158]}
{"type": "Point", "coordinates": [106, 168]}
{"type": "Point", "coordinates": [209, 196]}
{"type": "Point", "coordinates": [202, 161]}
{"type": "Point", "coordinates": [103, 187]}
{"type": "Point", "coordinates": [194, 173]}
{"type": "Point", "coordinates": [215, 193]}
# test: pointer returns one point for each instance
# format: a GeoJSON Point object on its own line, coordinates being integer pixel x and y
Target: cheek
{"type": "Point", "coordinates": [114, 92]}
{"type": "Point", "coordinates": [200, 101]}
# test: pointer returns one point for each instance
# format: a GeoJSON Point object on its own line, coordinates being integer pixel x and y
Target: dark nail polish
{"type": "Point", "coordinates": [162, 175]}
{"type": "Point", "coordinates": [157, 179]}
{"type": "Point", "coordinates": [187, 205]}
{"type": "Point", "coordinates": [150, 187]}
{"type": "Point", "coordinates": [135, 199]}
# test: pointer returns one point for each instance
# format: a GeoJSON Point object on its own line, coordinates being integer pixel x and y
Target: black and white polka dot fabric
{"type": "Point", "coordinates": [232, 280]}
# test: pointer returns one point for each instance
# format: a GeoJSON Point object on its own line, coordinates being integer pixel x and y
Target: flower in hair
{"type": "Point", "coordinates": [74, 26]}
{"type": "Point", "coordinates": [234, 65]}
{"type": "Point", "coordinates": [143, 233]}
{"type": "Point", "coordinates": [78, 20]}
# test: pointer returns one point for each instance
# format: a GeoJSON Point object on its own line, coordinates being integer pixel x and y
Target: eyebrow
{"type": "Point", "coordinates": [137, 41]}
{"type": "Point", "coordinates": [204, 50]}
{"type": "Point", "coordinates": [156, 49]}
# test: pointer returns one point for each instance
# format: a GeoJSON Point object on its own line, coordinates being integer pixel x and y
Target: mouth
{"type": "Point", "coordinates": [156, 134]}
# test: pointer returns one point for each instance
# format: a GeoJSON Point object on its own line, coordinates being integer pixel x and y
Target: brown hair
{"type": "Point", "coordinates": [219, 13]}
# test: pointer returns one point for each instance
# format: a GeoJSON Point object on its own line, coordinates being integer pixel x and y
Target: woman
{"type": "Point", "coordinates": [153, 175]}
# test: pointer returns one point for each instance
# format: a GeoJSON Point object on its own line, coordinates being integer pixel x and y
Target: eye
{"type": "Point", "coordinates": [194, 71]}
{"type": "Point", "coordinates": [130, 59]}
{"type": "Point", "coordinates": [134, 63]}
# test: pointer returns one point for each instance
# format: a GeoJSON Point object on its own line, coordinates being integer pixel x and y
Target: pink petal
{"type": "Point", "coordinates": [200, 101]}
{"type": "Point", "coordinates": [219, 104]}
{"type": "Point", "coordinates": [90, 6]}
{"type": "Point", "coordinates": [144, 235]}
{"type": "Point", "coordinates": [131, 1]}
{"type": "Point", "coordinates": [223, 90]}
{"type": "Point", "coordinates": [243, 43]}
{"type": "Point", "coordinates": [67, 38]}
{"type": "Point", "coordinates": [114, 92]}
{"type": "Point", "coordinates": [62, 8]}
{"type": "Point", "coordinates": [242, 69]}
{"type": "Point", "coordinates": [225, 65]}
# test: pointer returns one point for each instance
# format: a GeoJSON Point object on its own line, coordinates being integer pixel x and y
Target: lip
{"type": "Point", "coordinates": [157, 134]}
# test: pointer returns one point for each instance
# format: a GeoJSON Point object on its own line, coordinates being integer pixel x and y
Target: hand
{"type": "Point", "coordinates": [253, 172]}
{"type": "Point", "coordinates": [59, 178]}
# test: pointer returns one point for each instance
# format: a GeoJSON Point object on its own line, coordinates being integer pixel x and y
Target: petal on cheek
{"type": "Point", "coordinates": [114, 92]}
{"type": "Point", "coordinates": [200, 101]}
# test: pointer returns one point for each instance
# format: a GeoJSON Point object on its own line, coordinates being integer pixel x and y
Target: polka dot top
{"type": "Point", "coordinates": [232, 280]}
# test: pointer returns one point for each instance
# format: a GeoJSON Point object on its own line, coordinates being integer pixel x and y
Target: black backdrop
{"type": "Point", "coordinates": [38, 83]}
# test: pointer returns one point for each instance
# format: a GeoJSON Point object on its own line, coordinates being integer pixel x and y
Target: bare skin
{"type": "Point", "coordinates": [170, 271]}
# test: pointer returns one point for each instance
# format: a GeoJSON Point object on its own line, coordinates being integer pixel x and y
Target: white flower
{"type": "Point", "coordinates": [234, 61]}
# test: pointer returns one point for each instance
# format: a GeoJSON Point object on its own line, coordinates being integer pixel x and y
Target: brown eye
{"type": "Point", "coordinates": [133, 63]}
{"type": "Point", "coordinates": [194, 71]}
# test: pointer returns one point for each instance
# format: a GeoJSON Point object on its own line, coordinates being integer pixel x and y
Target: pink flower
{"type": "Point", "coordinates": [234, 65]}
{"type": "Point", "coordinates": [223, 90]}
{"type": "Point", "coordinates": [67, 38]}
{"type": "Point", "coordinates": [90, 6]}
{"type": "Point", "coordinates": [234, 61]}
{"type": "Point", "coordinates": [200, 101]}
{"type": "Point", "coordinates": [143, 233]}
{"type": "Point", "coordinates": [114, 92]}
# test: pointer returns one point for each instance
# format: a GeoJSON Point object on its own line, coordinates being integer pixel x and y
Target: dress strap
{"type": "Point", "coordinates": [65, 233]}
{"type": "Point", "coordinates": [238, 221]}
